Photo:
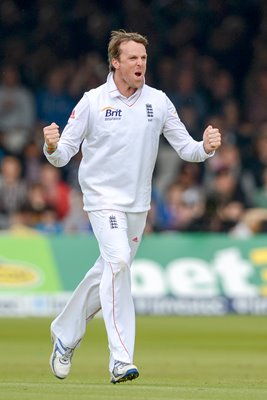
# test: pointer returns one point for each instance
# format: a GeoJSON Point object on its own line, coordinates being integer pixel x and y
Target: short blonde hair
{"type": "Point", "coordinates": [118, 37]}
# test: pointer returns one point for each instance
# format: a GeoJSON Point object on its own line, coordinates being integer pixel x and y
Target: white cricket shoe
{"type": "Point", "coordinates": [60, 360]}
{"type": "Point", "coordinates": [123, 372]}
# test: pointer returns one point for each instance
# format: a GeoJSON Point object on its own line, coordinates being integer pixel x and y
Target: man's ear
{"type": "Point", "coordinates": [115, 63]}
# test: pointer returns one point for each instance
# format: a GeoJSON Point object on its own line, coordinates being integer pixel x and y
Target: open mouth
{"type": "Point", "coordinates": [138, 74]}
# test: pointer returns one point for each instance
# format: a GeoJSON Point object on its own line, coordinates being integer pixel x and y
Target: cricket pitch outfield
{"type": "Point", "coordinates": [179, 358]}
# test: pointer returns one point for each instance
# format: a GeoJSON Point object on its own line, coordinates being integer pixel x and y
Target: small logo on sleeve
{"type": "Point", "coordinates": [72, 115]}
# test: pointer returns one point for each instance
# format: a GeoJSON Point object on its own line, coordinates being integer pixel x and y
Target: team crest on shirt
{"type": "Point", "coordinates": [149, 112]}
{"type": "Point", "coordinates": [111, 113]}
{"type": "Point", "coordinates": [113, 222]}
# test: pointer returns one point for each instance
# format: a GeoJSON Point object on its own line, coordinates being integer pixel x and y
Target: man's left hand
{"type": "Point", "coordinates": [211, 139]}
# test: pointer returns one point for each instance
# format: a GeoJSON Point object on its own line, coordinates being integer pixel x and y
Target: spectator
{"type": "Point", "coordinates": [17, 114]}
{"type": "Point", "coordinates": [256, 97]}
{"type": "Point", "coordinates": [225, 191]}
{"type": "Point", "coordinates": [231, 110]}
{"type": "Point", "coordinates": [165, 72]}
{"type": "Point", "coordinates": [157, 219]}
{"type": "Point", "coordinates": [13, 193]}
{"type": "Point", "coordinates": [57, 192]}
{"type": "Point", "coordinates": [49, 223]}
{"type": "Point", "coordinates": [186, 209]}
{"type": "Point", "coordinates": [53, 101]}
{"type": "Point", "coordinates": [77, 219]}
{"type": "Point", "coordinates": [227, 158]}
{"type": "Point", "coordinates": [173, 200]}
{"type": "Point", "coordinates": [259, 196]}
{"type": "Point", "coordinates": [32, 162]}
{"type": "Point", "coordinates": [186, 94]}
{"type": "Point", "coordinates": [226, 186]}
{"type": "Point", "coordinates": [206, 71]}
{"type": "Point", "coordinates": [227, 216]}
{"type": "Point", "coordinates": [36, 201]}
{"type": "Point", "coordinates": [20, 222]}
{"type": "Point", "coordinates": [189, 176]}
{"type": "Point", "coordinates": [252, 222]}
{"type": "Point", "coordinates": [221, 91]}
{"type": "Point", "coordinates": [258, 160]}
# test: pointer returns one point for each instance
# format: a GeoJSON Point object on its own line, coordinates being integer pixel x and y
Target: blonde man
{"type": "Point", "coordinates": [119, 125]}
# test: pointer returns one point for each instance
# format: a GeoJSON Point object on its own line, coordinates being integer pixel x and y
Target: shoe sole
{"type": "Point", "coordinates": [129, 376]}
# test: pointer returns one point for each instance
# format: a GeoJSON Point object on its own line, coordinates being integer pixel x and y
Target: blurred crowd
{"type": "Point", "coordinates": [210, 57]}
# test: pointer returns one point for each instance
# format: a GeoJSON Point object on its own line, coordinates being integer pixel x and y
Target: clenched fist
{"type": "Point", "coordinates": [211, 139]}
{"type": "Point", "coordinates": [51, 136]}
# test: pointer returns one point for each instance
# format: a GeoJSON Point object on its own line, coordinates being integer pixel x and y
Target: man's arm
{"type": "Point", "coordinates": [179, 138]}
{"type": "Point", "coordinates": [60, 149]}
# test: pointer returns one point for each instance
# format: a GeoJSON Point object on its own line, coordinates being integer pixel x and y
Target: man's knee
{"type": "Point", "coordinates": [123, 264]}
{"type": "Point", "coordinates": [120, 256]}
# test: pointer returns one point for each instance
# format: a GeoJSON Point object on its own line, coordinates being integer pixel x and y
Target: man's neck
{"type": "Point", "coordinates": [123, 88]}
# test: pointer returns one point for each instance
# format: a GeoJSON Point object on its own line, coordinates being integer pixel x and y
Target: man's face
{"type": "Point", "coordinates": [130, 68]}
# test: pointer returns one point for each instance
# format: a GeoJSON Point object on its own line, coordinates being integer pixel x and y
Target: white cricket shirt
{"type": "Point", "coordinates": [120, 139]}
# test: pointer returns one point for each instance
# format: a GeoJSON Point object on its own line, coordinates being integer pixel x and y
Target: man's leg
{"type": "Point", "coordinates": [69, 327]}
{"type": "Point", "coordinates": [111, 230]}
{"type": "Point", "coordinates": [135, 228]}
{"type": "Point", "coordinates": [84, 303]}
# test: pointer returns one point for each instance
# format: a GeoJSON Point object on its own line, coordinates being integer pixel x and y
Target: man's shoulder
{"type": "Point", "coordinates": [96, 91]}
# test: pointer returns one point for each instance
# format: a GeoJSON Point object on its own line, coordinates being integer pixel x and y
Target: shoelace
{"type": "Point", "coordinates": [119, 364]}
{"type": "Point", "coordinates": [67, 355]}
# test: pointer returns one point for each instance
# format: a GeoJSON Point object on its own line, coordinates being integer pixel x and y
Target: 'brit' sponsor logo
{"type": "Point", "coordinates": [112, 113]}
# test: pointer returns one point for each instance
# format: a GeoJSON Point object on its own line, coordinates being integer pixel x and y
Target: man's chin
{"type": "Point", "coordinates": [138, 82]}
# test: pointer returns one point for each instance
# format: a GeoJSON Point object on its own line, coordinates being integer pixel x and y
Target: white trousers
{"type": "Point", "coordinates": [106, 286]}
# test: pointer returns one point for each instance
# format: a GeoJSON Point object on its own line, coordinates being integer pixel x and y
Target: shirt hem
{"type": "Point", "coordinates": [116, 208]}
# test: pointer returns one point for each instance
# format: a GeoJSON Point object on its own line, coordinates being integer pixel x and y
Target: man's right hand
{"type": "Point", "coordinates": [51, 137]}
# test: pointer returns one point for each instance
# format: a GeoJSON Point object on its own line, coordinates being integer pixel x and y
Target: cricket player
{"type": "Point", "coordinates": [118, 126]}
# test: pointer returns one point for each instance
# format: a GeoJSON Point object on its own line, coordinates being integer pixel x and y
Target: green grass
{"type": "Point", "coordinates": [181, 358]}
